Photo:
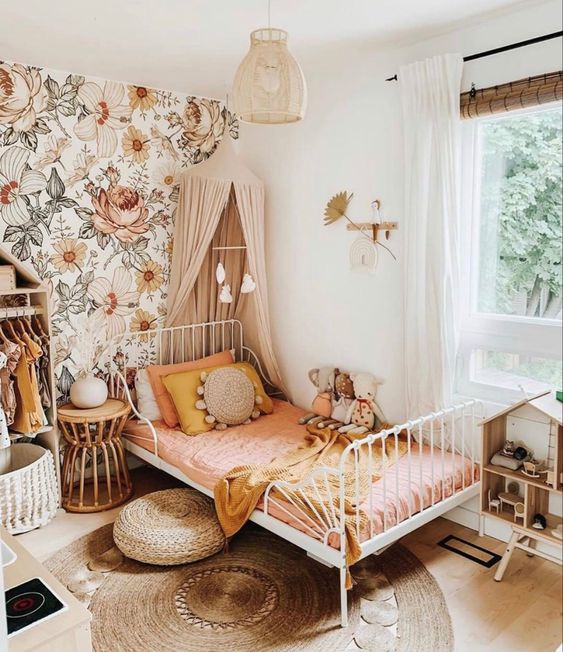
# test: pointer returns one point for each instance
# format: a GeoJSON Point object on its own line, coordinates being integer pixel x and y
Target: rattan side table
{"type": "Point", "coordinates": [93, 438]}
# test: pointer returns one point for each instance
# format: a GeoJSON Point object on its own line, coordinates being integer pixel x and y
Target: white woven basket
{"type": "Point", "coordinates": [29, 495]}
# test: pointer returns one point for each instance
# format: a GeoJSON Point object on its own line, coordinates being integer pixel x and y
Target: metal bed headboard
{"type": "Point", "coordinates": [175, 344]}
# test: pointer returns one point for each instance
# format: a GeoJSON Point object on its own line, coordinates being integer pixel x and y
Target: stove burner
{"type": "Point", "coordinates": [30, 603]}
{"type": "Point", "coordinates": [24, 604]}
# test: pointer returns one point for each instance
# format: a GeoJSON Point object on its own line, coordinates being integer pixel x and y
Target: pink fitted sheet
{"type": "Point", "coordinates": [208, 457]}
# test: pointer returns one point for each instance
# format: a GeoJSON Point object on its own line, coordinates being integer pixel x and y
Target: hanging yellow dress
{"type": "Point", "coordinates": [29, 412]}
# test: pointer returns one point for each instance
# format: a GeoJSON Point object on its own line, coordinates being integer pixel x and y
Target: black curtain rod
{"type": "Point", "coordinates": [504, 48]}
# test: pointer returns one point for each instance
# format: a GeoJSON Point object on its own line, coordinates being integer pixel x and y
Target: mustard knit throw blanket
{"type": "Point", "coordinates": [240, 490]}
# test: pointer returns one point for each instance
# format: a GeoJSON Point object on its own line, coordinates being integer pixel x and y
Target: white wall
{"type": "Point", "coordinates": [323, 313]}
{"type": "Point", "coordinates": [350, 140]}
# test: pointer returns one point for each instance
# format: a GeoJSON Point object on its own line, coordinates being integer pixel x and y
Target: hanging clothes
{"type": "Point", "coordinates": [29, 415]}
{"type": "Point", "coordinates": [4, 435]}
{"type": "Point", "coordinates": [43, 372]}
{"type": "Point", "coordinates": [7, 392]}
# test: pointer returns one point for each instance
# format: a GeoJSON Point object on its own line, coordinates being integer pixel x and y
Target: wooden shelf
{"type": "Point", "coordinates": [506, 516]}
{"type": "Point", "coordinates": [552, 522]}
{"type": "Point", "coordinates": [36, 290]}
{"type": "Point", "coordinates": [519, 476]}
{"type": "Point", "coordinates": [14, 436]}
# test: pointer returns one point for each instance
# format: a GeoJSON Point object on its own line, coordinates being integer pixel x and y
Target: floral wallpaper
{"type": "Point", "coordinates": [88, 189]}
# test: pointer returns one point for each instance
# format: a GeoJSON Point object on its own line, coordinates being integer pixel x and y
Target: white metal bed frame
{"type": "Point", "coordinates": [437, 430]}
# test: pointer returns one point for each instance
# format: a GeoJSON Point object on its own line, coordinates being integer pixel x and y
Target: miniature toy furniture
{"type": "Point", "coordinates": [519, 511]}
{"type": "Point", "coordinates": [494, 503]}
{"type": "Point", "coordinates": [93, 439]}
{"type": "Point", "coordinates": [538, 424]}
{"type": "Point", "coordinates": [533, 469]}
{"type": "Point", "coordinates": [169, 527]}
{"type": "Point", "coordinates": [508, 498]}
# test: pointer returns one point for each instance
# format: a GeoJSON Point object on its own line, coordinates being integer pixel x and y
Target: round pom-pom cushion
{"type": "Point", "coordinates": [229, 395]}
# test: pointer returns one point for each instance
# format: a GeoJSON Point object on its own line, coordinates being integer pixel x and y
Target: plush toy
{"type": "Point", "coordinates": [229, 397]}
{"type": "Point", "coordinates": [343, 395]}
{"type": "Point", "coordinates": [323, 380]}
{"type": "Point", "coordinates": [508, 448]}
{"type": "Point", "coordinates": [364, 410]}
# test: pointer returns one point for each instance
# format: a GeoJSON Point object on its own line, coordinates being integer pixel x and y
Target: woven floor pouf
{"type": "Point", "coordinates": [169, 527]}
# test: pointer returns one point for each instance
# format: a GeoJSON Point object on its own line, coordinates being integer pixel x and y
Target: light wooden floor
{"type": "Point", "coordinates": [521, 613]}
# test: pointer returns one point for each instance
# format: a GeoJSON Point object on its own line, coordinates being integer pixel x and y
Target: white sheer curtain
{"type": "Point", "coordinates": [430, 92]}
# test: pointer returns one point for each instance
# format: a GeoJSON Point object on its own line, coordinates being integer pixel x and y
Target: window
{"type": "Point", "coordinates": [511, 326]}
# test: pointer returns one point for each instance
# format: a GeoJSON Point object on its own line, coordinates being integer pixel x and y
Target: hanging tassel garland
{"type": "Point", "coordinates": [248, 284]}
{"type": "Point", "coordinates": [225, 296]}
{"type": "Point", "coordinates": [220, 273]}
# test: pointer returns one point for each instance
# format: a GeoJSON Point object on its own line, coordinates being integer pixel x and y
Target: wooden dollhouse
{"type": "Point", "coordinates": [535, 486]}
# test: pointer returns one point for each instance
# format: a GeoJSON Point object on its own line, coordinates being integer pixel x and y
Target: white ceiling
{"type": "Point", "coordinates": [195, 45]}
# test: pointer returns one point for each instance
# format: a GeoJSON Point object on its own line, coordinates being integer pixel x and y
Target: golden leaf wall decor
{"type": "Point", "coordinates": [337, 207]}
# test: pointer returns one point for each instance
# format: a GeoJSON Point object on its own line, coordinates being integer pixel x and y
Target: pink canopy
{"type": "Point", "coordinates": [221, 204]}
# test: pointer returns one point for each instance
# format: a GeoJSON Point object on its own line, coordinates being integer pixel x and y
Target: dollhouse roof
{"type": "Point", "coordinates": [546, 403]}
{"type": "Point", "coordinates": [25, 274]}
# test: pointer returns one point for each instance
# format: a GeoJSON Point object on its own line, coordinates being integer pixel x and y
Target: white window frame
{"type": "Point", "coordinates": [532, 336]}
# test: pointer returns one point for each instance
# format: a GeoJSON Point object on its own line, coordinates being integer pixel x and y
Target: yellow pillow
{"type": "Point", "coordinates": [183, 390]}
{"type": "Point", "coordinates": [267, 406]}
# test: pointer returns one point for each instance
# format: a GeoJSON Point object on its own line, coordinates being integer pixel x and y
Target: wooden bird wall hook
{"type": "Point", "coordinates": [337, 208]}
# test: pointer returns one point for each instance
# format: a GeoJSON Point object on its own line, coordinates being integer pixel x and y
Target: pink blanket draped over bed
{"type": "Point", "coordinates": [206, 458]}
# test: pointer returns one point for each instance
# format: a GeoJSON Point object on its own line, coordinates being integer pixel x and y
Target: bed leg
{"type": "Point", "coordinates": [481, 525]}
{"type": "Point", "coordinates": [343, 598]}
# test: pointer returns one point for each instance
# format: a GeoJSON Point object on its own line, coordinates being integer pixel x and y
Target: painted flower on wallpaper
{"type": "Point", "coordinates": [168, 175]}
{"type": "Point", "coordinates": [53, 298]}
{"type": "Point", "coordinates": [149, 277]}
{"type": "Point", "coordinates": [142, 321]}
{"type": "Point", "coordinates": [114, 300]}
{"type": "Point", "coordinates": [163, 143]}
{"type": "Point", "coordinates": [82, 165]}
{"type": "Point", "coordinates": [22, 96]}
{"type": "Point", "coordinates": [120, 211]}
{"type": "Point", "coordinates": [16, 184]}
{"type": "Point", "coordinates": [54, 148]}
{"type": "Point", "coordinates": [105, 114]}
{"type": "Point", "coordinates": [135, 144]}
{"type": "Point", "coordinates": [70, 255]}
{"type": "Point", "coordinates": [141, 97]}
{"type": "Point", "coordinates": [202, 124]}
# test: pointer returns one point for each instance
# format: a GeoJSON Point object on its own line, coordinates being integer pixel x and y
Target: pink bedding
{"type": "Point", "coordinates": [206, 458]}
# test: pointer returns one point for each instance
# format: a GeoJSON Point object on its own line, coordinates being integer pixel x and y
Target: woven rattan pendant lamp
{"type": "Point", "coordinates": [269, 86]}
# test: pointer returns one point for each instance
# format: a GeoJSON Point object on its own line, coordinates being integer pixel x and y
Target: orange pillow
{"type": "Point", "coordinates": [163, 399]}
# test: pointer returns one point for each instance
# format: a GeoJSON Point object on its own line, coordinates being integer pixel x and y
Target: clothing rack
{"type": "Point", "coordinates": [503, 48]}
{"type": "Point", "coordinates": [19, 311]}
{"type": "Point", "coordinates": [33, 295]}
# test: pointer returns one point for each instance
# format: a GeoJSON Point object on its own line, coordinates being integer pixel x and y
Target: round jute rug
{"type": "Point", "coordinates": [263, 595]}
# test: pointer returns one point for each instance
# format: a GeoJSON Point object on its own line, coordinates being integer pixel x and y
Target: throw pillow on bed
{"type": "Point", "coordinates": [183, 390]}
{"type": "Point", "coordinates": [228, 397]}
{"type": "Point", "coordinates": [157, 372]}
{"type": "Point", "coordinates": [146, 401]}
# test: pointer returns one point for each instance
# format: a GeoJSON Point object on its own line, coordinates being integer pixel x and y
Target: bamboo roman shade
{"type": "Point", "coordinates": [520, 94]}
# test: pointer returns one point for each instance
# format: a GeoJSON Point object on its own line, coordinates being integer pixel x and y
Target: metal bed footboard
{"type": "Point", "coordinates": [451, 435]}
